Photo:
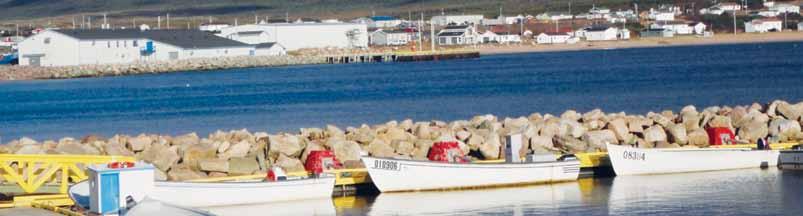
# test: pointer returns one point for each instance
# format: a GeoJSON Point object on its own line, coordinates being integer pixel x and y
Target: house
{"type": "Point", "coordinates": [390, 37]}
{"type": "Point", "coordinates": [601, 33]}
{"type": "Point", "coordinates": [96, 46]}
{"type": "Point", "coordinates": [379, 21]}
{"type": "Point", "coordinates": [552, 38]}
{"type": "Point", "coordinates": [729, 6]}
{"type": "Point", "coordinates": [767, 13]}
{"type": "Point", "coordinates": [458, 35]}
{"type": "Point", "coordinates": [270, 49]}
{"type": "Point", "coordinates": [657, 32]}
{"type": "Point", "coordinates": [457, 20]}
{"type": "Point", "coordinates": [506, 38]}
{"type": "Point", "coordinates": [623, 34]}
{"type": "Point", "coordinates": [514, 19]}
{"type": "Point", "coordinates": [699, 27]}
{"type": "Point", "coordinates": [661, 15]}
{"type": "Point", "coordinates": [785, 8]}
{"type": "Point", "coordinates": [763, 25]}
{"type": "Point", "coordinates": [554, 16]}
{"type": "Point", "coordinates": [493, 22]}
{"type": "Point", "coordinates": [678, 27]}
{"type": "Point", "coordinates": [800, 26]}
{"type": "Point", "coordinates": [599, 10]}
{"type": "Point", "coordinates": [712, 11]}
{"type": "Point", "coordinates": [295, 36]}
{"type": "Point", "coordinates": [489, 37]}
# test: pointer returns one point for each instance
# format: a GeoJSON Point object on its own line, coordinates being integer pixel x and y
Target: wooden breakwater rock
{"type": "Point", "coordinates": [240, 152]}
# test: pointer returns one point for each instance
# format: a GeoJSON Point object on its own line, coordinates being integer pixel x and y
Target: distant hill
{"type": "Point", "coordinates": [33, 9]}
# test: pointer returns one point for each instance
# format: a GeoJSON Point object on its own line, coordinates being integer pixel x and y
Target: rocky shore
{"type": "Point", "coordinates": [240, 152]}
{"type": "Point", "coordinates": [196, 64]}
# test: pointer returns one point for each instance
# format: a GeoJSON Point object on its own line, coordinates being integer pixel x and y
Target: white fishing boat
{"type": "Point", "coordinates": [792, 159]}
{"type": "Point", "coordinates": [391, 175]}
{"type": "Point", "coordinates": [627, 160]}
{"type": "Point", "coordinates": [206, 194]}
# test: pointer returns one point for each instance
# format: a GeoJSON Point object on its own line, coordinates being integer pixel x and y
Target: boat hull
{"type": "Point", "coordinates": [634, 161]}
{"type": "Point", "coordinates": [241, 193]}
{"type": "Point", "coordinates": [393, 175]}
{"type": "Point", "coordinates": [792, 160]}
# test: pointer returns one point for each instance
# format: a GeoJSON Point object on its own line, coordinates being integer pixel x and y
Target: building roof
{"type": "Point", "coordinates": [192, 39]}
{"type": "Point", "coordinates": [265, 45]}
{"type": "Point", "coordinates": [556, 33]}
{"type": "Point", "coordinates": [597, 28]}
{"type": "Point", "coordinates": [456, 27]}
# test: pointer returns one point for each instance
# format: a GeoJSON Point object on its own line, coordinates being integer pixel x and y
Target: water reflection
{"type": "Point", "coordinates": [734, 192]}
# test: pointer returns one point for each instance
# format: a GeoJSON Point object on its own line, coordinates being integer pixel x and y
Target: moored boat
{"type": "Point", "coordinates": [792, 159]}
{"type": "Point", "coordinates": [393, 175]}
{"type": "Point", "coordinates": [628, 160]}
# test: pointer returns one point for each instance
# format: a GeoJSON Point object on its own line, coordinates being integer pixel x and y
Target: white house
{"type": "Point", "coordinates": [601, 33]}
{"type": "Point", "coordinates": [489, 37]}
{"type": "Point", "coordinates": [213, 27]}
{"type": "Point", "coordinates": [800, 26]}
{"type": "Point", "coordinates": [712, 11]}
{"type": "Point", "coordinates": [457, 19]}
{"type": "Point", "coordinates": [681, 28]}
{"type": "Point", "coordinates": [506, 38]}
{"type": "Point", "coordinates": [768, 13]}
{"type": "Point", "coordinates": [378, 21]}
{"type": "Point", "coordinates": [552, 38]}
{"type": "Point", "coordinates": [763, 25]}
{"type": "Point", "coordinates": [728, 6]}
{"type": "Point", "coordinates": [554, 16]}
{"type": "Point", "coordinates": [390, 37]}
{"type": "Point", "coordinates": [514, 19]}
{"type": "Point", "coordinates": [785, 8]}
{"type": "Point", "coordinates": [458, 35]}
{"type": "Point", "coordinates": [599, 10]}
{"type": "Point", "coordinates": [95, 46]}
{"type": "Point", "coordinates": [661, 15]}
{"type": "Point", "coordinates": [699, 27]}
{"type": "Point", "coordinates": [295, 36]}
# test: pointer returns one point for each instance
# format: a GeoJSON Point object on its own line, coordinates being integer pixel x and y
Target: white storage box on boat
{"type": "Point", "coordinates": [117, 186]}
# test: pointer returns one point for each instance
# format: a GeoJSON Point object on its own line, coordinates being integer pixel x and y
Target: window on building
{"type": "Point", "coordinates": [118, 44]}
{"type": "Point", "coordinates": [47, 40]}
{"type": "Point", "coordinates": [135, 43]}
{"type": "Point", "coordinates": [93, 43]}
{"type": "Point", "coordinates": [226, 52]}
{"type": "Point", "coordinates": [108, 44]}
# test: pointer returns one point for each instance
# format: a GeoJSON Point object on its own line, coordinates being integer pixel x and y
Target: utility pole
{"type": "Point", "coordinates": [432, 34]}
{"type": "Point", "coordinates": [73, 22]}
{"type": "Point", "coordinates": [784, 20]}
{"type": "Point", "coordinates": [159, 22]}
{"type": "Point", "coordinates": [168, 20]}
{"type": "Point", "coordinates": [734, 22]}
{"type": "Point", "coordinates": [420, 35]}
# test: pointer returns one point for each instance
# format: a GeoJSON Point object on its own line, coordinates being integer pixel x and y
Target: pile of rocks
{"type": "Point", "coordinates": [241, 152]}
{"type": "Point", "coordinates": [195, 64]}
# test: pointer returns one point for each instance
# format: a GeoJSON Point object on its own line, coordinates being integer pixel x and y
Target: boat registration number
{"type": "Point", "coordinates": [386, 165]}
{"type": "Point", "coordinates": [629, 155]}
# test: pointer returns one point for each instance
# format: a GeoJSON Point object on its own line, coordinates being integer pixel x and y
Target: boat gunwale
{"type": "Point", "coordinates": [479, 165]}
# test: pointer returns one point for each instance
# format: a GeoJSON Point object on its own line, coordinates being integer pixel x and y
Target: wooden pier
{"type": "Point", "coordinates": [400, 57]}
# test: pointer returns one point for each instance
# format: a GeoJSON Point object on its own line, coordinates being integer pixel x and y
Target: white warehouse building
{"type": "Point", "coordinates": [295, 36]}
{"type": "Point", "coordinates": [95, 46]}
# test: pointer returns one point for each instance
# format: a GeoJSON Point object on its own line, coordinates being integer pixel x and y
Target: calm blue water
{"type": "Point", "coordinates": [287, 98]}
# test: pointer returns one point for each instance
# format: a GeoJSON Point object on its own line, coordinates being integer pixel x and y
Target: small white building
{"type": "Point", "coordinates": [507, 38]}
{"type": "Point", "coordinates": [456, 20]}
{"type": "Point", "coordinates": [85, 47]}
{"type": "Point", "coordinates": [728, 6]}
{"type": "Point", "coordinates": [270, 49]}
{"type": "Point", "coordinates": [212, 27]}
{"type": "Point", "coordinates": [390, 37]}
{"type": "Point", "coordinates": [768, 13]}
{"type": "Point", "coordinates": [763, 25]}
{"type": "Point", "coordinates": [489, 37]}
{"type": "Point", "coordinates": [661, 15]}
{"type": "Point", "coordinates": [295, 36]}
{"type": "Point", "coordinates": [552, 38]}
{"type": "Point", "coordinates": [601, 33]}
{"type": "Point", "coordinates": [785, 8]}
{"type": "Point", "coordinates": [379, 21]}
{"type": "Point", "coordinates": [599, 10]}
{"type": "Point", "coordinates": [800, 26]}
{"type": "Point", "coordinates": [458, 35]}
{"type": "Point", "coordinates": [554, 16]}
{"type": "Point", "coordinates": [699, 27]}
{"type": "Point", "coordinates": [681, 28]}
{"type": "Point", "coordinates": [712, 11]}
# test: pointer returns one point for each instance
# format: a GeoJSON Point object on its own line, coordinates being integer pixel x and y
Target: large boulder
{"type": "Point", "coordinates": [195, 153]}
{"type": "Point", "coordinates": [166, 158]}
{"type": "Point", "coordinates": [288, 145]}
{"type": "Point", "coordinates": [690, 120]}
{"type": "Point", "coordinates": [215, 165]}
{"type": "Point", "coordinates": [571, 115]}
{"type": "Point", "coordinates": [312, 133]}
{"type": "Point", "coordinates": [139, 143]}
{"type": "Point", "coordinates": [791, 112]}
{"type": "Point", "coordinates": [677, 134]}
{"type": "Point", "coordinates": [462, 135]}
{"type": "Point", "coordinates": [423, 131]}
{"type": "Point", "coordinates": [27, 141]}
{"type": "Point", "coordinates": [475, 141]}
{"type": "Point", "coordinates": [619, 128]}
{"type": "Point", "coordinates": [753, 131]}
{"type": "Point", "coordinates": [289, 164]}
{"type": "Point", "coordinates": [572, 128]}
{"type": "Point", "coordinates": [346, 150]}
{"type": "Point", "coordinates": [654, 134]}
{"type": "Point", "coordinates": [785, 130]}
{"type": "Point", "coordinates": [599, 138]}
{"type": "Point", "coordinates": [72, 147]}
{"type": "Point", "coordinates": [666, 145]}
{"type": "Point", "coordinates": [115, 147]}
{"type": "Point", "coordinates": [491, 148]}
{"type": "Point", "coordinates": [334, 131]}
{"type": "Point", "coordinates": [378, 148]}
{"type": "Point", "coordinates": [570, 144]}
{"type": "Point", "coordinates": [592, 115]}
{"type": "Point", "coordinates": [542, 142]}
{"type": "Point", "coordinates": [184, 174]}
{"type": "Point", "coordinates": [30, 149]}
{"type": "Point", "coordinates": [312, 146]}
{"type": "Point", "coordinates": [248, 165]}
{"type": "Point", "coordinates": [186, 139]}
{"type": "Point", "coordinates": [363, 135]}
{"type": "Point", "coordinates": [698, 137]}
{"type": "Point", "coordinates": [237, 150]}
{"type": "Point", "coordinates": [402, 147]}
{"type": "Point", "coordinates": [720, 121]}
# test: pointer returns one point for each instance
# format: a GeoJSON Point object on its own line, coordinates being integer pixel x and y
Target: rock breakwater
{"type": "Point", "coordinates": [240, 152]}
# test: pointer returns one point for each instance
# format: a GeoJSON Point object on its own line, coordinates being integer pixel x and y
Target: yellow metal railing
{"type": "Point", "coordinates": [776, 146]}
{"type": "Point", "coordinates": [30, 172]}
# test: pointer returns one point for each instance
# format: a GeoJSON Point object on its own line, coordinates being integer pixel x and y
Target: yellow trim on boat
{"type": "Point", "coordinates": [591, 159]}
